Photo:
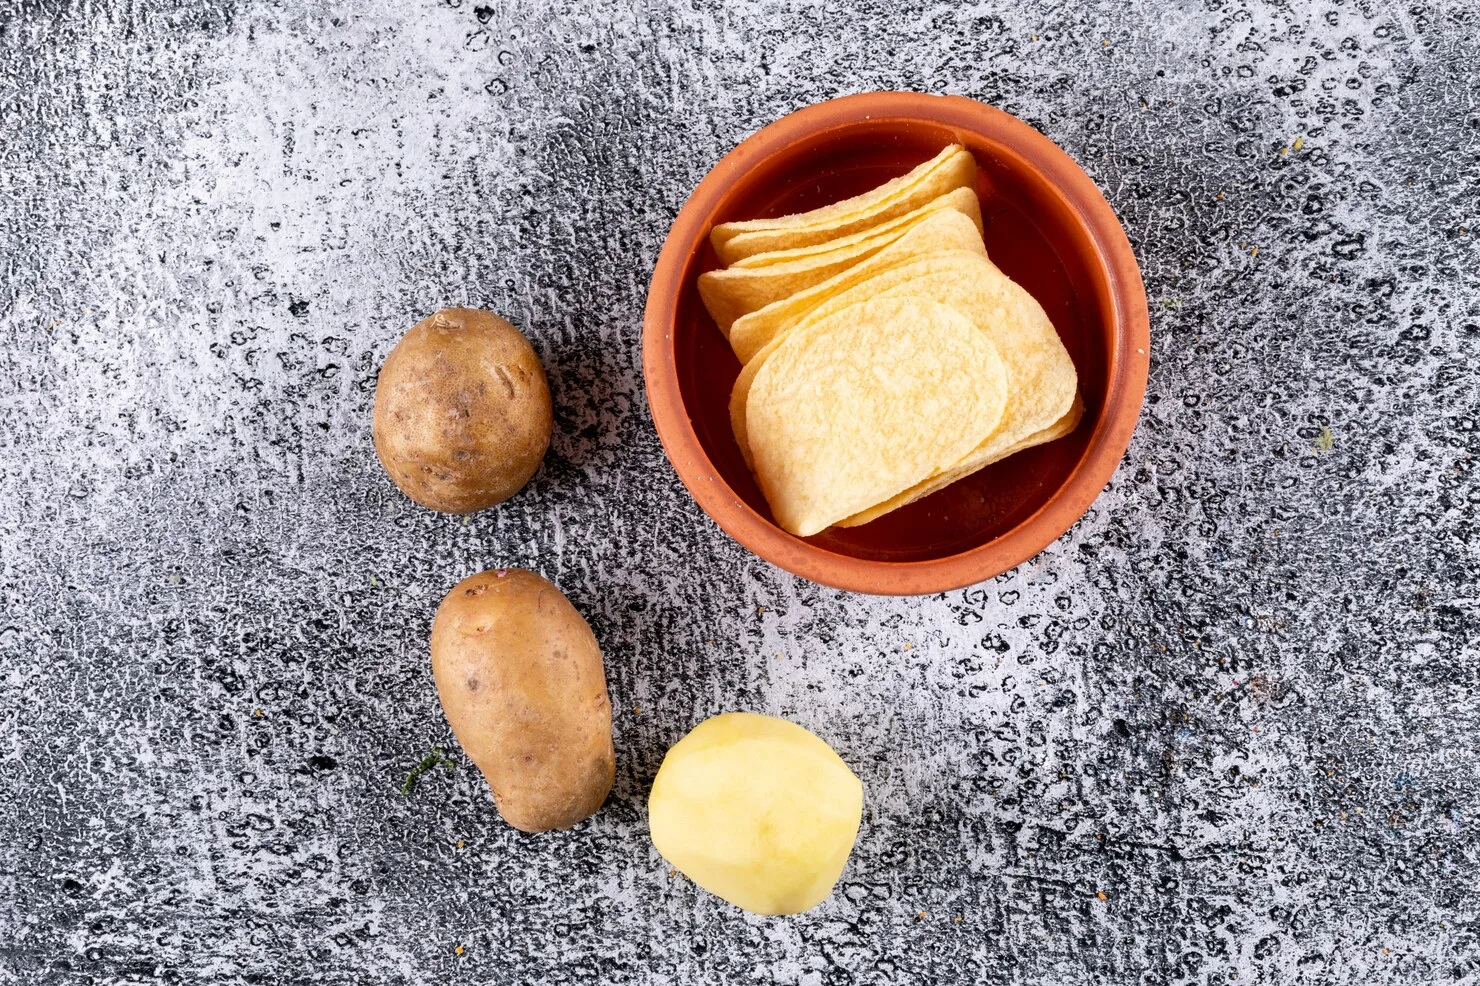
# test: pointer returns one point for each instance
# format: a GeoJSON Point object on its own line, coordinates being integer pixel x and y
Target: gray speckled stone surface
{"type": "Point", "coordinates": [1223, 731]}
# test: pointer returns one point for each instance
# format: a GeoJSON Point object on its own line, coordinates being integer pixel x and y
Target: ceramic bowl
{"type": "Point", "coordinates": [1046, 226]}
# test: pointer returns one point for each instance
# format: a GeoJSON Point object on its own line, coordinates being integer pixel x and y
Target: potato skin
{"type": "Point", "coordinates": [520, 677]}
{"type": "Point", "coordinates": [462, 411]}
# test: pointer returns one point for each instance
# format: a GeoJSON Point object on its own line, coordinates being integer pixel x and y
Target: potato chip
{"type": "Point", "coordinates": [758, 281]}
{"type": "Point", "coordinates": [1041, 378]}
{"type": "Point", "coordinates": [1057, 430]}
{"type": "Point", "coordinates": [938, 231]}
{"type": "Point", "coordinates": [902, 274]}
{"type": "Point", "coordinates": [842, 320]}
{"type": "Point", "coordinates": [952, 168]}
{"type": "Point", "coordinates": [963, 200]}
{"type": "Point", "coordinates": [857, 408]}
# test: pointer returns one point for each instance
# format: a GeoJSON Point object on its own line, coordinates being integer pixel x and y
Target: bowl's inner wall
{"type": "Point", "coordinates": [1030, 234]}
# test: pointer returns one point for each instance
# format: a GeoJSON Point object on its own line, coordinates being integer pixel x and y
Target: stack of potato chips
{"type": "Point", "coordinates": [884, 355]}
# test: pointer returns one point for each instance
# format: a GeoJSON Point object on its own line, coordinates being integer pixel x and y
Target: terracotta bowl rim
{"type": "Point", "coordinates": [1114, 260]}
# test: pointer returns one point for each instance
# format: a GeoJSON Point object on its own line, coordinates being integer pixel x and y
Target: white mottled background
{"type": "Point", "coordinates": [1224, 731]}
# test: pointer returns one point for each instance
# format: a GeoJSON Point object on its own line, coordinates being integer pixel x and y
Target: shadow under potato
{"type": "Point", "coordinates": [597, 394]}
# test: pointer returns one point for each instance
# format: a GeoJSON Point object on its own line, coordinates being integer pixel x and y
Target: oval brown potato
{"type": "Point", "coordinates": [520, 677]}
{"type": "Point", "coordinates": [462, 411]}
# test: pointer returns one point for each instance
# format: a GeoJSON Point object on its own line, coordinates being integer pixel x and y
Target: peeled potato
{"type": "Point", "coordinates": [860, 407]}
{"type": "Point", "coordinates": [756, 810]}
{"type": "Point", "coordinates": [757, 281]}
{"type": "Point", "coordinates": [940, 231]}
{"type": "Point", "coordinates": [952, 168]}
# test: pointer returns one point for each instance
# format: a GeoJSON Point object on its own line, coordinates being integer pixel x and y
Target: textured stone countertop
{"type": "Point", "coordinates": [1223, 731]}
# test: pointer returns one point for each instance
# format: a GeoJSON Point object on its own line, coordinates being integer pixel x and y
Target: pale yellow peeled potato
{"type": "Point", "coordinates": [952, 168]}
{"type": "Point", "coordinates": [857, 408]}
{"type": "Point", "coordinates": [757, 811]}
{"type": "Point", "coordinates": [757, 281]}
{"type": "Point", "coordinates": [939, 231]}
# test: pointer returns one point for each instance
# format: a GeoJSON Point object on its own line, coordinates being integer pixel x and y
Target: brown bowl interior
{"type": "Point", "coordinates": [1032, 234]}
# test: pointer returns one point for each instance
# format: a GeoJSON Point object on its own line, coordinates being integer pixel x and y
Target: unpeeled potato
{"type": "Point", "coordinates": [462, 411]}
{"type": "Point", "coordinates": [520, 677]}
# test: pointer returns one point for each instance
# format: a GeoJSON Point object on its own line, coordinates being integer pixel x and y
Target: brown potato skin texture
{"type": "Point", "coordinates": [462, 411]}
{"type": "Point", "coordinates": [520, 677]}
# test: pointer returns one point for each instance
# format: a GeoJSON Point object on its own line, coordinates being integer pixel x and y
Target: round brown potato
{"type": "Point", "coordinates": [520, 678]}
{"type": "Point", "coordinates": [462, 411]}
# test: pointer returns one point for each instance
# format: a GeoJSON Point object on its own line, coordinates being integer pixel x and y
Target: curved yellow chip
{"type": "Point", "coordinates": [907, 271]}
{"type": "Point", "coordinates": [963, 200]}
{"type": "Point", "coordinates": [952, 168]}
{"type": "Point", "coordinates": [971, 464]}
{"type": "Point", "coordinates": [860, 407]}
{"type": "Point", "coordinates": [1044, 381]}
{"type": "Point", "coordinates": [938, 231]}
{"type": "Point", "coordinates": [756, 282]}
